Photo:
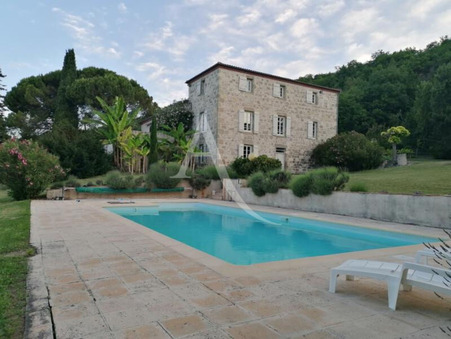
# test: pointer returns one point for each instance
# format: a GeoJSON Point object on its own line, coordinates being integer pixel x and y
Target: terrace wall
{"type": "Point", "coordinates": [432, 211]}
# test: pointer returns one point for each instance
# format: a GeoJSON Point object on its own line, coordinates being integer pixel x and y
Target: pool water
{"type": "Point", "coordinates": [234, 236]}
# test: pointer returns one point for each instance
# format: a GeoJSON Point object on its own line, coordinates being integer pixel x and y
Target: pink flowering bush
{"type": "Point", "coordinates": [27, 169]}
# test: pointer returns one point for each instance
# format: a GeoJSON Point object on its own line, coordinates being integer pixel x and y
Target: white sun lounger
{"type": "Point", "coordinates": [429, 253]}
{"type": "Point", "coordinates": [407, 274]}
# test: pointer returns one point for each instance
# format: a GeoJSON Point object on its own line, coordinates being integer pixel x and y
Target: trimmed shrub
{"type": "Point", "coordinates": [242, 167]}
{"type": "Point", "coordinates": [326, 180]}
{"type": "Point", "coordinates": [27, 169]}
{"type": "Point", "coordinates": [301, 185]}
{"type": "Point", "coordinates": [358, 187]}
{"type": "Point", "coordinates": [117, 180]}
{"type": "Point", "coordinates": [72, 181]}
{"type": "Point", "coordinates": [265, 164]}
{"type": "Point", "coordinates": [281, 177]}
{"type": "Point", "coordinates": [321, 181]}
{"type": "Point", "coordinates": [160, 175]}
{"type": "Point", "coordinates": [90, 184]}
{"type": "Point", "coordinates": [257, 182]}
{"type": "Point", "coordinates": [139, 181]}
{"type": "Point", "coordinates": [351, 151]}
{"type": "Point", "coordinates": [99, 182]}
{"type": "Point", "coordinates": [245, 167]}
{"type": "Point", "coordinates": [199, 181]}
{"type": "Point", "coordinates": [209, 172]}
{"type": "Point", "coordinates": [232, 173]}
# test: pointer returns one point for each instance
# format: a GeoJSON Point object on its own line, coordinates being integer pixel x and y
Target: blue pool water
{"type": "Point", "coordinates": [234, 236]}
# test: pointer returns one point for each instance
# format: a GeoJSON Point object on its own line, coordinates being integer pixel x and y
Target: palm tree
{"type": "Point", "coordinates": [178, 143]}
{"type": "Point", "coordinates": [112, 122]}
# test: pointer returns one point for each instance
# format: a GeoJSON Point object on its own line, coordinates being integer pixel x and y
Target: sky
{"type": "Point", "coordinates": [161, 44]}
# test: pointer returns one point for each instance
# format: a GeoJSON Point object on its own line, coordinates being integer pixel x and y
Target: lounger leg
{"type": "Point", "coordinates": [393, 291]}
{"type": "Point", "coordinates": [333, 281]}
{"type": "Point", "coordinates": [407, 287]}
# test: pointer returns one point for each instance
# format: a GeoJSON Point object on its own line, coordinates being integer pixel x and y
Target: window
{"type": "Point", "coordinates": [312, 97]}
{"type": "Point", "coordinates": [246, 84]}
{"type": "Point", "coordinates": [281, 126]}
{"type": "Point", "coordinates": [202, 158]}
{"type": "Point", "coordinates": [282, 91]}
{"type": "Point", "coordinates": [312, 130]}
{"type": "Point", "coordinates": [202, 122]}
{"type": "Point", "coordinates": [247, 150]}
{"type": "Point", "coordinates": [200, 87]}
{"type": "Point", "coordinates": [248, 121]}
{"type": "Point", "coordinates": [279, 91]}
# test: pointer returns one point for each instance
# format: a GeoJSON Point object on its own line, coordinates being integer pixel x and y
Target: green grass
{"type": "Point", "coordinates": [421, 176]}
{"type": "Point", "coordinates": [14, 251]}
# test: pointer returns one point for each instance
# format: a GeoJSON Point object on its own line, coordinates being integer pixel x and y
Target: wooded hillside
{"type": "Point", "coordinates": [410, 87]}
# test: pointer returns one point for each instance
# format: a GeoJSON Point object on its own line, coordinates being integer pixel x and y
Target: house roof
{"type": "Point", "coordinates": [251, 72]}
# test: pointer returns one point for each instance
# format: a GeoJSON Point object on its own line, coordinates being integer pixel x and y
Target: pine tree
{"type": "Point", "coordinates": [66, 111]}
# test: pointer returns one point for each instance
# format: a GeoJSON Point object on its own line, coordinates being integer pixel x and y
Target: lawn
{"type": "Point", "coordinates": [421, 176]}
{"type": "Point", "coordinates": [14, 252]}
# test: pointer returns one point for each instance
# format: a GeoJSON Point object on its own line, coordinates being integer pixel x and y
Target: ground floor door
{"type": "Point", "coordinates": [280, 155]}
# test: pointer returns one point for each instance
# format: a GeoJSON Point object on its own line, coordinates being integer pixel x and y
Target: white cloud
{"type": "Point", "coordinates": [285, 16]}
{"type": "Point", "coordinates": [304, 27]}
{"type": "Point", "coordinates": [85, 36]}
{"type": "Point", "coordinates": [122, 7]}
{"type": "Point", "coordinates": [330, 8]}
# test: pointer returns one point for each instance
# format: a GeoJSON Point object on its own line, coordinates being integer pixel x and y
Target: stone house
{"type": "Point", "coordinates": [250, 112]}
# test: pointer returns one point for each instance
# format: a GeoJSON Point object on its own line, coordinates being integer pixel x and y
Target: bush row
{"type": "Point", "coordinates": [322, 181]}
{"type": "Point", "coordinates": [269, 182]}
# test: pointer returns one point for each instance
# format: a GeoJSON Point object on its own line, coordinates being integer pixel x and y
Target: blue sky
{"type": "Point", "coordinates": [161, 44]}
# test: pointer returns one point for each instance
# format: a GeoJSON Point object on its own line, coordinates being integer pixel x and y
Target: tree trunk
{"type": "Point", "coordinates": [394, 154]}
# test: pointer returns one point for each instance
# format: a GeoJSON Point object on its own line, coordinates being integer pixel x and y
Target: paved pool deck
{"type": "Point", "coordinates": [98, 275]}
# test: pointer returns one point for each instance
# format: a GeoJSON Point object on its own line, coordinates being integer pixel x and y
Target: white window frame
{"type": "Point", "coordinates": [279, 91]}
{"type": "Point", "coordinates": [281, 126]}
{"type": "Point", "coordinates": [312, 97]}
{"type": "Point", "coordinates": [248, 121]}
{"type": "Point", "coordinates": [246, 84]}
{"type": "Point", "coordinates": [312, 130]}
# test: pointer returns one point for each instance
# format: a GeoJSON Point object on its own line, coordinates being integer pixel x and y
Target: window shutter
{"type": "Point", "coordinates": [241, 120]}
{"type": "Point", "coordinates": [288, 131]}
{"type": "Point", "coordinates": [310, 130]}
{"type": "Point", "coordinates": [309, 97]}
{"type": "Point", "coordinates": [274, 125]}
{"type": "Point", "coordinates": [255, 150]}
{"type": "Point", "coordinates": [240, 150]}
{"type": "Point", "coordinates": [276, 90]}
{"type": "Point", "coordinates": [256, 121]}
{"type": "Point", "coordinates": [198, 87]}
{"type": "Point", "coordinates": [243, 84]}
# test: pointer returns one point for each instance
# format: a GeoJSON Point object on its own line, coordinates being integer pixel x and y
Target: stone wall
{"type": "Point", "coordinates": [432, 211]}
{"type": "Point", "coordinates": [261, 100]}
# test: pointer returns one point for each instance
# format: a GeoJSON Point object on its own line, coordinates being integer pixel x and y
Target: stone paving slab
{"type": "Point", "coordinates": [97, 275]}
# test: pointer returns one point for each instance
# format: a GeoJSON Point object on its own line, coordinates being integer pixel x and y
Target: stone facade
{"type": "Point", "coordinates": [221, 102]}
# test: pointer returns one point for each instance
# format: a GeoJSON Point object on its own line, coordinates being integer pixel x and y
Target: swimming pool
{"type": "Point", "coordinates": [234, 236]}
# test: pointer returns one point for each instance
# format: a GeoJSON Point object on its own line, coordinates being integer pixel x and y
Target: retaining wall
{"type": "Point", "coordinates": [407, 209]}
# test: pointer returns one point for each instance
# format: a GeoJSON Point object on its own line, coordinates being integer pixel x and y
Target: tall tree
{"type": "Point", "coordinates": [3, 135]}
{"type": "Point", "coordinates": [433, 113]}
{"type": "Point", "coordinates": [65, 109]}
{"type": "Point", "coordinates": [33, 99]}
{"type": "Point", "coordinates": [175, 113]}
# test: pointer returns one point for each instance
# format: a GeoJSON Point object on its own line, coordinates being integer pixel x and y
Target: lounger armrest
{"type": "Point", "coordinates": [426, 269]}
